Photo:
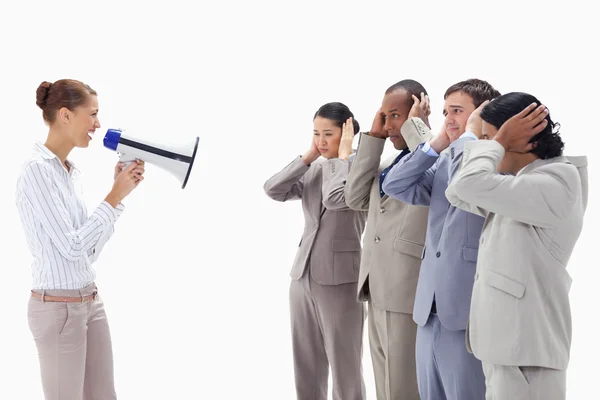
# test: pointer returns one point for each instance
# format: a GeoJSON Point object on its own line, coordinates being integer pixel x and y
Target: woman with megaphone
{"type": "Point", "coordinates": [65, 312]}
{"type": "Point", "coordinates": [326, 319]}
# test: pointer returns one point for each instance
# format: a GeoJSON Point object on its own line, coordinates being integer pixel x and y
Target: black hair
{"type": "Point", "coordinates": [411, 86]}
{"type": "Point", "coordinates": [338, 113]}
{"type": "Point", "coordinates": [548, 143]}
{"type": "Point", "coordinates": [478, 89]}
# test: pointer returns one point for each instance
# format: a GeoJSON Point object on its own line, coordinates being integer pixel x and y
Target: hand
{"type": "Point", "coordinates": [378, 124]}
{"type": "Point", "coordinates": [126, 180]}
{"type": "Point", "coordinates": [420, 108]}
{"type": "Point", "coordinates": [441, 141]}
{"type": "Point", "coordinates": [475, 123]}
{"type": "Point", "coordinates": [119, 168]}
{"type": "Point", "coordinates": [345, 148]}
{"type": "Point", "coordinates": [312, 154]}
{"type": "Point", "coordinates": [514, 135]}
{"type": "Point", "coordinates": [137, 171]}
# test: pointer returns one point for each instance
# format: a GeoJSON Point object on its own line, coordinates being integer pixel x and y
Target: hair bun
{"type": "Point", "coordinates": [42, 94]}
{"type": "Point", "coordinates": [356, 126]}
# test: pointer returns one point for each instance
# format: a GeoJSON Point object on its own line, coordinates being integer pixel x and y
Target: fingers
{"type": "Point", "coordinates": [119, 167]}
{"type": "Point", "coordinates": [485, 103]}
{"type": "Point", "coordinates": [138, 180]}
{"type": "Point", "coordinates": [539, 127]}
{"type": "Point", "coordinates": [416, 100]}
{"type": "Point", "coordinates": [131, 167]}
{"type": "Point", "coordinates": [139, 171]}
{"type": "Point", "coordinates": [425, 104]}
{"type": "Point", "coordinates": [538, 115]}
{"type": "Point", "coordinates": [526, 111]}
{"type": "Point", "coordinates": [415, 110]}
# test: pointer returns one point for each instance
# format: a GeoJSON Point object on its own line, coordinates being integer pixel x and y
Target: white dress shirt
{"type": "Point", "coordinates": [63, 240]}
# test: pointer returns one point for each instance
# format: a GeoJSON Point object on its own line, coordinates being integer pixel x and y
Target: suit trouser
{"type": "Point", "coordinates": [392, 338]}
{"type": "Point", "coordinates": [524, 383]}
{"type": "Point", "coordinates": [327, 330]}
{"type": "Point", "coordinates": [74, 346]}
{"type": "Point", "coordinates": [445, 369]}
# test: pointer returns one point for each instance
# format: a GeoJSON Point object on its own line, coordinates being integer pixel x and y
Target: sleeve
{"type": "Point", "coordinates": [542, 198]}
{"type": "Point", "coordinates": [411, 179]}
{"type": "Point", "coordinates": [335, 175]}
{"type": "Point", "coordinates": [288, 183]}
{"type": "Point", "coordinates": [38, 188]}
{"type": "Point", "coordinates": [363, 171]}
{"type": "Point", "coordinates": [97, 250]}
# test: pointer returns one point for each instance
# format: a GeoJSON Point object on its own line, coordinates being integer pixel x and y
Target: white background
{"type": "Point", "coordinates": [195, 281]}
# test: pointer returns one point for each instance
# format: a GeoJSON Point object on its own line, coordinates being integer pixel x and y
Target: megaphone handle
{"type": "Point", "coordinates": [124, 158]}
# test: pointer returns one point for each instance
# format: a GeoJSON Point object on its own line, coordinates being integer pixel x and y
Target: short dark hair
{"type": "Point", "coordinates": [338, 113]}
{"type": "Point", "coordinates": [548, 143]}
{"type": "Point", "coordinates": [69, 93]}
{"type": "Point", "coordinates": [411, 86]}
{"type": "Point", "coordinates": [478, 89]}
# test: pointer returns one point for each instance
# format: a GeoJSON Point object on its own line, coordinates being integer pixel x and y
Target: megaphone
{"type": "Point", "coordinates": [177, 159]}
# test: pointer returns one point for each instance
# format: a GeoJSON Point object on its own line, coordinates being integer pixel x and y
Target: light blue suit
{"type": "Point", "coordinates": [445, 369]}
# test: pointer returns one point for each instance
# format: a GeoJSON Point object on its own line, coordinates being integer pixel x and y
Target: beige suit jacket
{"type": "Point", "coordinates": [520, 310]}
{"type": "Point", "coordinates": [395, 234]}
{"type": "Point", "coordinates": [330, 243]}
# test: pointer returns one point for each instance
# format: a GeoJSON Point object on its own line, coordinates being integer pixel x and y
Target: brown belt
{"type": "Point", "coordinates": [82, 299]}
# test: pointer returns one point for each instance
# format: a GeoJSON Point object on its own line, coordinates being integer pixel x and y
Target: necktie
{"type": "Point", "coordinates": [385, 171]}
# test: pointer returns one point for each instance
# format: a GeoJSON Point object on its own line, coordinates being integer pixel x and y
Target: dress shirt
{"type": "Point", "coordinates": [63, 240]}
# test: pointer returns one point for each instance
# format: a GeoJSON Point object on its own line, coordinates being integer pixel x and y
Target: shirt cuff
{"type": "Point", "coordinates": [469, 134]}
{"type": "Point", "coordinates": [119, 210]}
{"type": "Point", "coordinates": [428, 150]}
{"type": "Point", "coordinates": [107, 212]}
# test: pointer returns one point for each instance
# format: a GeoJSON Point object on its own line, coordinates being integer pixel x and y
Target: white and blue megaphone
{"type": "Point", "coordinates": [177, 159]}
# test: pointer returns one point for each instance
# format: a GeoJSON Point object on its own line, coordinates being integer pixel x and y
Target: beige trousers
{"type": "Point", "coordinates": [392, 338]}
{"type": "Point", "coordinates": [524, 383]}
{"type": "Point", "coordinates": [74, 346]}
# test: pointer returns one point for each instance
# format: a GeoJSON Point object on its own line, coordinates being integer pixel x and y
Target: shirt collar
{"type": "Point", "coordinates": [41, 149]}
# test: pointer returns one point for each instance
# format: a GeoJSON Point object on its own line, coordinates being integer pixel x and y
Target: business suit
{"type": "Point", "coordinates": [520, 321]}
{"type": "Point", "coordinates": [445, 370]}
{"type": "Point", "coordinates": [389, 268]}
{"type": "Point", "coordinates": [327, 322]}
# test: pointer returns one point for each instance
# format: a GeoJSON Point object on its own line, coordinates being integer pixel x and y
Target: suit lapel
{"type": "Point", "coordinates": [316, 182]}
{"type": "Point", "coordinates": [382, 167]}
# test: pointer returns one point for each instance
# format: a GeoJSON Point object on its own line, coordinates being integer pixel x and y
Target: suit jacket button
{"type": "Point", "coordinates": [438, 254]}
{"type": "Point", "coordinates": [382, 210]}
{"type": "Point", "coordinates": [481, 240]}
{"type": "Point", "coordinates": [476, 275]}
{"type": "Point", "coordinates": [377, 239]}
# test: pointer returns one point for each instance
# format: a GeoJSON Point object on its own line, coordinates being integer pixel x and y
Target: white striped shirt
{"type": "Point", "coordinates": [63, 240]}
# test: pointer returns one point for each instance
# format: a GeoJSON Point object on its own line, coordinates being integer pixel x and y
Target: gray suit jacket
{"type": "Point", "coordinates": [330, 244]}
{"type": "Point", "coordinates": [520, 313]}
{"type": "Point", "coordinates": [452, 243]}
{"type": "Point", "coordinates": [394, 237]}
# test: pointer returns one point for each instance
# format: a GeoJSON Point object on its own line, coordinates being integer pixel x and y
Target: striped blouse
{"type": "Point", "coordinates": [64, 241]}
